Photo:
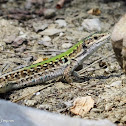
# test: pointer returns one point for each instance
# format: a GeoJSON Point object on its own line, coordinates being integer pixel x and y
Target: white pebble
{"type": "Point", "coordinates": [38, 93]}
{"type": "Point", "coordinates": [46, 38]}
{"type": "Point", "coordinates": [30, 102]}
{"type": "Point", "coordinates": [116, 83]}
{"type": "Point", "coordinates": [66, 45]}
{"type": "Point", "coordinates": [61, 23]}
{"type": "Point", "coordinates": [61, 34]}
{"type": "Point", "coordinates": [51, 31]}
{"type": "Point", "coordinates": [92, 24]}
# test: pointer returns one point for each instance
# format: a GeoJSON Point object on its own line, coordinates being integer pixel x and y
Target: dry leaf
{"type": "Point", "coordinates": [40, 59]}
{"type": "Point", "coordinates": [82, 105]}
{"type": "Point", "coordinates": [95, 11]}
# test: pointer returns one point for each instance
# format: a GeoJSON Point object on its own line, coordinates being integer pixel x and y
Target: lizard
{"type": "Point", "coordinates": [62, 65]}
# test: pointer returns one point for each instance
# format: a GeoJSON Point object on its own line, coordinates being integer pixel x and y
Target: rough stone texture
{"type": "Point", "coordinates": [119, 42]}
{"type": "Point", "coordinates": [12, 114]}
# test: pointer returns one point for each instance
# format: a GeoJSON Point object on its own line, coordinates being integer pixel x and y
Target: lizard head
{"type": "Point", "coordinates": [94, 41]}
{"type": "Point", "coordinates": [96, 38]}
{"type": "Point", "coordinates": [91, 44]}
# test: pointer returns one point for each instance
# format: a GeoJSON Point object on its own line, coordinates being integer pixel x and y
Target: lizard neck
{"type": "Point", "coordinates": [83, 56]}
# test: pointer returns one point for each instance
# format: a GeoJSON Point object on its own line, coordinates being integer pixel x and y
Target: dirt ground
{"type": "Point", "coordinates": [23, 41]}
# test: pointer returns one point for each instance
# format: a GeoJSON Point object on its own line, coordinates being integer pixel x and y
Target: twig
{"type": "Point", "coordinates": [35, 51]}
{"type": "Point", "coordinates": [33, 92]}
{"type": "Point", "coordinates": [60, 3]}
{"type": "Point", "coordinates": [44, 51]}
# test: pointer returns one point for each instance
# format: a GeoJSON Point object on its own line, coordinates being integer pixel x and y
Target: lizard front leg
{"type": "Point", "coordinates": [69, 71]}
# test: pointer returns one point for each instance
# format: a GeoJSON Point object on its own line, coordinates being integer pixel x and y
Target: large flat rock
{"type": "Point", "coordinates": [15, 115]}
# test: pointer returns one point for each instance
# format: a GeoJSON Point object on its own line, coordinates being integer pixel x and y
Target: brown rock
{"type": "Point", "coordinates": [119, 42]}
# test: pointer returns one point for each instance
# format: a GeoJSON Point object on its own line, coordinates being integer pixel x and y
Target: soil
{"type": "Point", "coordinates": [106, 81]}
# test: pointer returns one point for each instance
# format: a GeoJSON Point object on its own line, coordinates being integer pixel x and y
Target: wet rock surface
{"type": "Point", "coordinates": [46, 38]}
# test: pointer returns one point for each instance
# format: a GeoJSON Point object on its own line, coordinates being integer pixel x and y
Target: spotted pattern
{"type": "Point", "coordinates": [40, 68]}
{"type": "Point", "coordinates": [30, 73]}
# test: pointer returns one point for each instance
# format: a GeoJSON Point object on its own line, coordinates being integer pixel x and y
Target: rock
{"type": "Point", "coordinates": [123, 119]}
{"type": "Point", "coordinates": [116, 83]}
{"type": "Point", "coordinates": [38, 93]}
{"type": "Point", "coordinates": [12, 114]}
{"type": "Point", "coordinates": [50, 0]}
{"type": "Point", "coordinates": [61, 34]}
{"type": "Point", "coordinates": [118, 40]}
{"type": "Point", "coordinates": [39, 26]}
{"type": "Point", "coordinates": [61, 23]}
{"type": "Point", "coordinates": [66, 45]}
{"type": "Point", "coordinates": [21, 49]}
{"type": "Point", "coordinates": [51, 31]}
{"type": "Point", "coordinates": [46, 42]}
{"type": "Point", "coordinates": [19, 41]}
{"type": "Point", "coordinates": [9, 39]}
{"type": "Point", "coordinates": [44, 106]}
{"type": "Point", "coordinates": [110, 68]}
{"type": "Point", "coordinates": [30, 102]}
{"type": "Point", "coordinates": [92, 24]}
{"type": "Point", "coordinates": [49, 13]}
{"type": "Point", "coordinates": [46, 38]}
{"type": "Point", "coordinates": [2, 45]}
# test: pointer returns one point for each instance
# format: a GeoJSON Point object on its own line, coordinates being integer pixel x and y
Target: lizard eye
{"type": "Point", "coordinates": [95, 37]}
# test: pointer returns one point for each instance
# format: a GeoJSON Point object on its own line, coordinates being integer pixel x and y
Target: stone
{"type": "Point", "coordinates": [118, 40]}
{"type": "Point", "coordinates": [12, 114]}
{"type": "Point", "coordinates": [124, 119]}
{"type": "Point", "coordinates": [38, 26]}
{"type": "Point", "coordinates": [92, 24]}
{"type": "Point", "coordinates": [30, 102]}
{"type": "Point", "coordinates": [51, 31]}
{"type": "Point", "coordinates": [46, 38]}
{"type": "Point", "coordinates": [66, 45]}
{"type": "Point", "coordinates": [49, 13]}
{"type": "Point", "coordinates": [61, 23]}
{"type": "Point", "coordinates": [116, 83]}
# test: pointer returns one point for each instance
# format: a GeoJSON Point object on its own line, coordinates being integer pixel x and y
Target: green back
{"type": "Point", "coordinates": [53, 59]}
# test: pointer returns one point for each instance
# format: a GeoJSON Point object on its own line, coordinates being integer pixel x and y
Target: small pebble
{"type": "Point", "coordinates": [19, 41]}
{"type": "Point", "coordinates": [108, 106]}
{"type": "Point", "coordinates": [61, 23]}
{"type": "Point", "coordinates": [61, 34]}
{"type": "Point", "coordinates": [116, 83]}
{"type": "Point", "coordinates": [92, 24]}
{"type": "Point", "coordinates": [44, 106]}
{"type": "Point", "coordinates": [68, 103]}
{"type": "Point", "coordinates": [38, 93]}
{"type": "Point", "coordinates": [49, 13]}
{"type": "Point", "coordinates": [123, 119]}
{"type": "Point", "coordinates": [107, 70]}
{"type": "Point", "coordinates": [66, 45]}
{"type": "Point", "coordinates": [2, 46]}
{"type": "Point", "coordinates": [39, 26]}
{"type": "Point", "coordinates": [30, 102]}
{"type": "Point", "coordinates": [51, 31]}
{"type": "Point", "coordinates": [46, 38]}
{"type": "Point", "coordinates": [45, 43]}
